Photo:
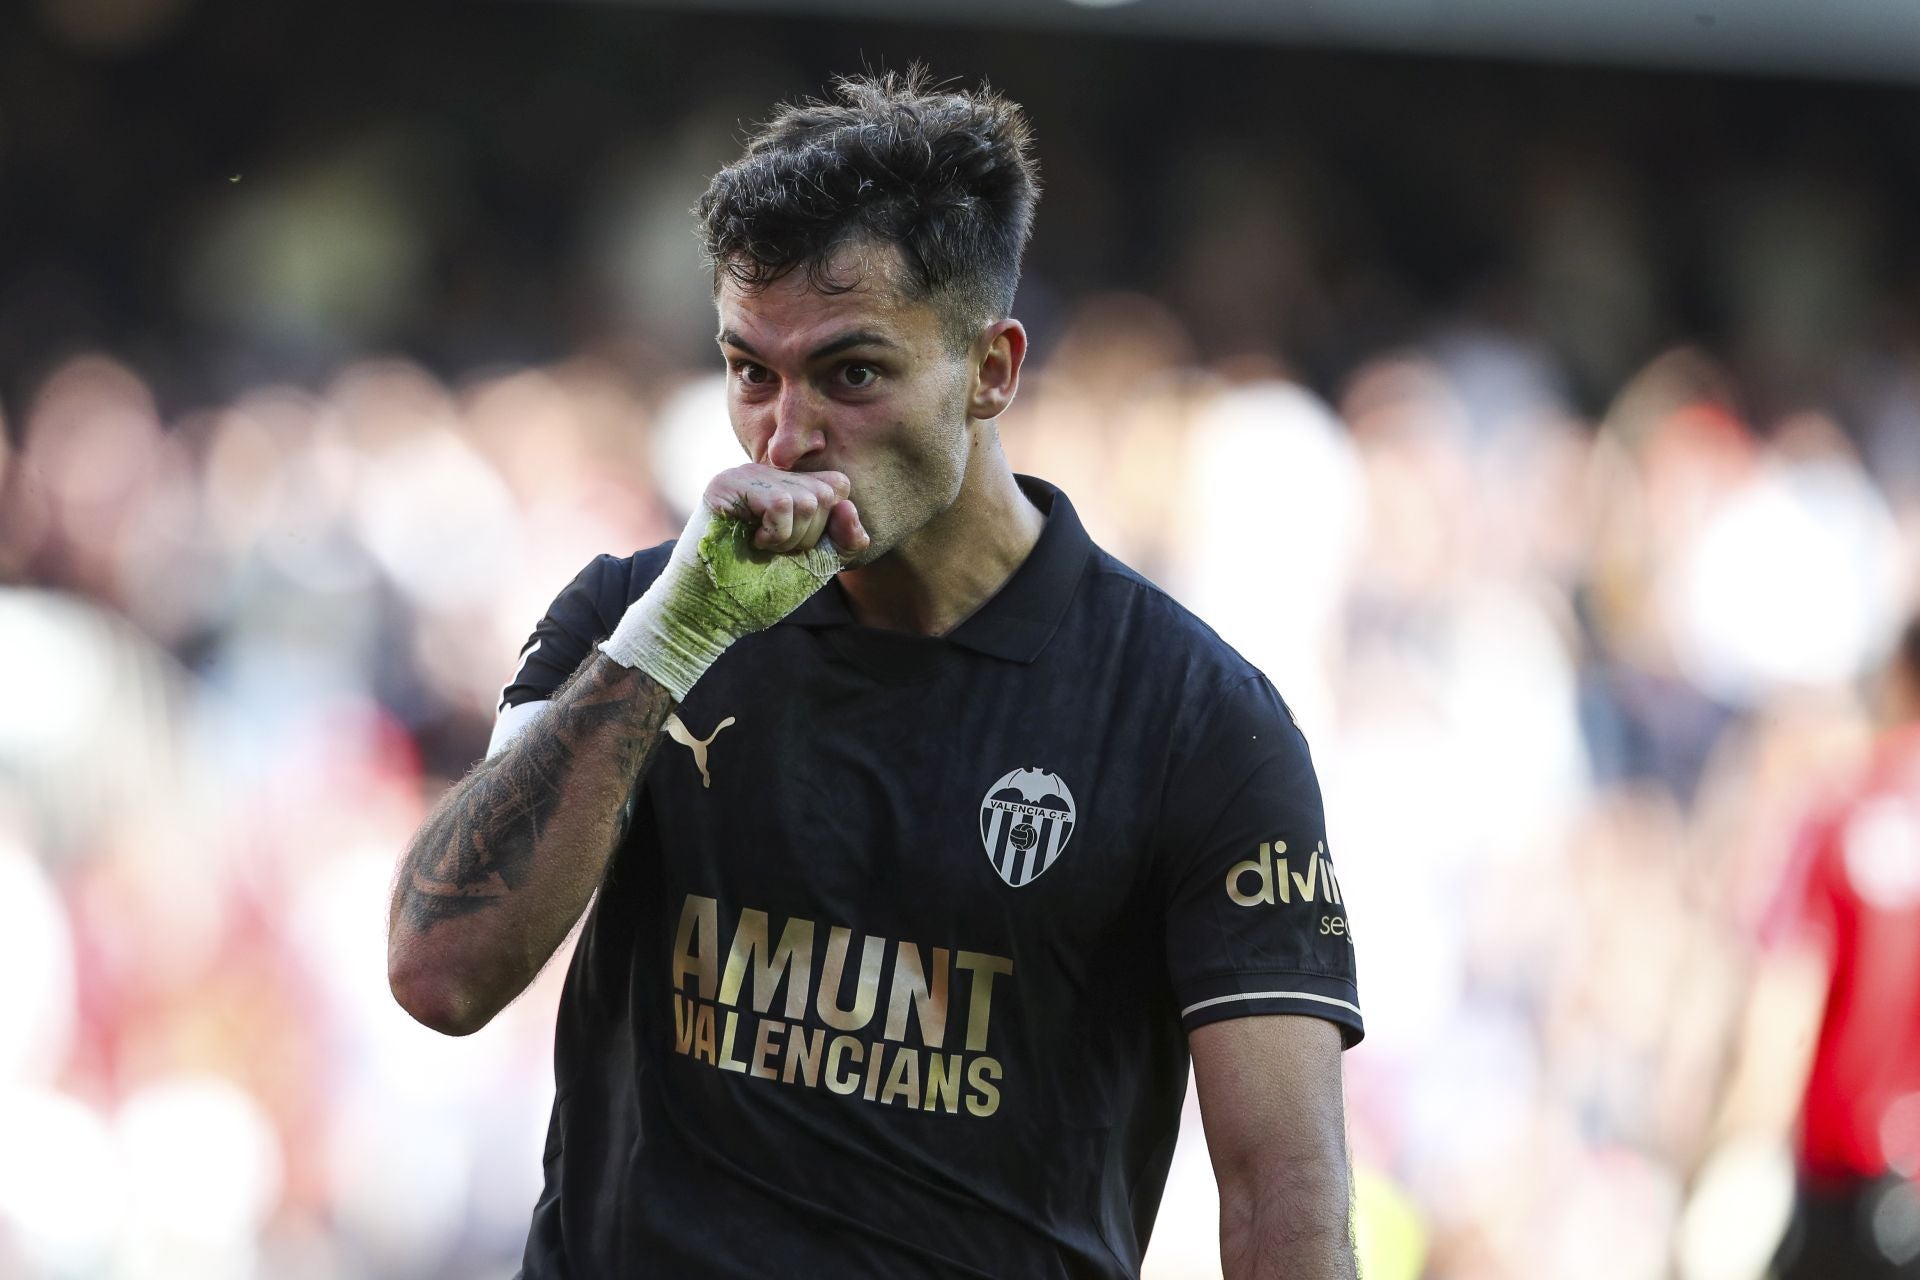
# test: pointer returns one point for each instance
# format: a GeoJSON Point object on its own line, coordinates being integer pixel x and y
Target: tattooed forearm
{"type": "Point", "coordinates": [480, 845]}
{"type": "Point", "coordinates": [515, 850]}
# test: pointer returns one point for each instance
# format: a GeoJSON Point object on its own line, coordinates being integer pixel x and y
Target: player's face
{"type": "Point", "coordinates": [861, 381]}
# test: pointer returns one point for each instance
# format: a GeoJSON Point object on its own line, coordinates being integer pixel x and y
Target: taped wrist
{"type": "Point", "coordinates": [665, 643]}
{"type": "Point", "coordinates": [716, 588]}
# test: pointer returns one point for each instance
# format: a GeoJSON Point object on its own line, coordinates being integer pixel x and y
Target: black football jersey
{"type": "Point", "coordinates": [892, 974]}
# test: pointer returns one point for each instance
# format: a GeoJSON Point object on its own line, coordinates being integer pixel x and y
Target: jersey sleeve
{"type": "Point", "coordinates": [1256, 918]}
{"type": "Point", "coordinates": [580, 617]}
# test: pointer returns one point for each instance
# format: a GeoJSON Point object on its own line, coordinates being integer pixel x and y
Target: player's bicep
{"type": "Point", "coordinates": [1270, 1093]}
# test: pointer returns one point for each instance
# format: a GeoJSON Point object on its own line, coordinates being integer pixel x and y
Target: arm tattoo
{"type": "Point", "coordinates": [481, 843]}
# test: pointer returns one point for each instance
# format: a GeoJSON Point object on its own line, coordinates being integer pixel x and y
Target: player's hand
{"type": "Point", "coordinates": [759, 544]}
{"type": "Point", "coordinates": [789, 510]}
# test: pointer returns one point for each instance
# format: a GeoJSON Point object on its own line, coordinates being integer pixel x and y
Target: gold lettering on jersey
{"type": "Point", "coordinates": [903, 1078]}
{"type": "Point", "coordinates": [873, 953]}
{"type": "Point", "coordinates": [803, 1057]}
{"type": "Point", "coordinates": [943, 1083]}
{"type": "Point", "coordinates": [749, 947]}
{"type": "Point", "coordinates": [843, 1050]}
{"type": "Point", "coordinates": [911, 990]}
{"type": "Point", "coordinates": [1274, 881]}
{"type": "Point", "coordinates": [682, 1024]}
{"type": "Point", "coordinates": [985, 969]}
{"type": "Point", "coordinates": [983, 1074]}
{"type": "Point", "coordinates": [703, 1032]}
{"type": "Point", "coordinates": [725, 986]}
{"type": "Point", "coordinates": [763, 1047]}
{"type": "Point", "coordinates": [695, 943]}
{"type": "Point", "coordinates": [727, 1061]}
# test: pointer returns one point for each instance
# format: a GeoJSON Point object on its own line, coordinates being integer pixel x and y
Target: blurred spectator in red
{"type": "Point", "coordinates": [1840, 976]}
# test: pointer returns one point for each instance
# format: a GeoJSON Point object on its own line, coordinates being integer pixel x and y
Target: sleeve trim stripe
{"type": "Point", "coordinates": [527, 653]}
{"type": "Point", "coordinates": [513, 722]}
{"type": "Point", "coordinates": [1270, 995]}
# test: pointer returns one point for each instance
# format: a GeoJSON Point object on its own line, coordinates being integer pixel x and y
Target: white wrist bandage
{"type": "Point", "coordinates": [715, 589]}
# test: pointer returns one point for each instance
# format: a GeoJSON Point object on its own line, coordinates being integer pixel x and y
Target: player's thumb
{"type": "Point", "coordinates": [845, 531]}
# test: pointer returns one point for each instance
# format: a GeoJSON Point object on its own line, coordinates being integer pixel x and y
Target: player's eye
{"type": "Point", "coordinates": [859, 376]}
{"type": "Point", "coordinates": [753, 375]}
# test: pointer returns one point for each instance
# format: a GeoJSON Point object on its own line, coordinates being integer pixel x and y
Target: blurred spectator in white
{"type": "Point", "coordinates": [1269, 526]}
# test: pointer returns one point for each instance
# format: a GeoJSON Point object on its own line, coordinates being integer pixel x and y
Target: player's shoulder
{"type": "Point", "coordinates": [638, 570]}
{"type": "Point", "coordinates": [1195, 677]}
{"type": "Point", "coordinates": [600, 593]}
{"type": "Point", "coordinates": [1121, 597]}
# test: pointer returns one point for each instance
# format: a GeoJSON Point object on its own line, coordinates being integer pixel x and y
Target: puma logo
{"type": "Point", "coordinates": [679, 732]}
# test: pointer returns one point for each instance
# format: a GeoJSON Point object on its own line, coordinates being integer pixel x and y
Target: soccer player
{"type": "Point", "coordinates": [924, 841]}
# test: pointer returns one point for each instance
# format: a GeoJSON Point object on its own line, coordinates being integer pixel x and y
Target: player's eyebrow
{"type": "Point", "coordinates": [848, 341]}
{"type": "Point", "coordinates": [845, 342]}
{"type": "Point", "coordinates": [728, 338]}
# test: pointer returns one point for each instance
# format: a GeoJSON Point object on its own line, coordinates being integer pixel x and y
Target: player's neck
{"type": "Point", "coordinates": [940, 576]}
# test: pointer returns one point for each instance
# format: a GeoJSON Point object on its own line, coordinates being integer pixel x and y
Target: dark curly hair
{"type": "Point", "coordinates": [944, 174]}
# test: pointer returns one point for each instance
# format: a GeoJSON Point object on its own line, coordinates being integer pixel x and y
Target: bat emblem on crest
{"type": "Point", "coordinates": [1026, 820]}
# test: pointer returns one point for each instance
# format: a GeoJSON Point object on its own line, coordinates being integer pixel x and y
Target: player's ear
{"type": "Point", "coordinates": [998, 353]}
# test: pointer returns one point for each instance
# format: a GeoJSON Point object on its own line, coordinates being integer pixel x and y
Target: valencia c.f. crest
{"type": "Point", "coordinates": [1025, 822]}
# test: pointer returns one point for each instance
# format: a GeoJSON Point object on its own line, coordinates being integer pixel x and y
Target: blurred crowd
{"type": "Point", "coordinates": [1570, 685]}
{"type": "Point", "coordinates": [1578, 589]}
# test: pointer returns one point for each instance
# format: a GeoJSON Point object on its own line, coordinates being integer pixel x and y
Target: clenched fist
{"type": "Point", "coordinates": [788, 510]}
{"type": "Point", "coordinates": [760, 543]}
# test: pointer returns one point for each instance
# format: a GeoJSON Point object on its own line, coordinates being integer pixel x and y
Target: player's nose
{"type": "Point", "coordinates": [799, 427]}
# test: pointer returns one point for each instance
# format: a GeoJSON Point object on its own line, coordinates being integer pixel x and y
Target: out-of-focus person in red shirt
{"type": "Point", "coordinates": [1835, 1011]}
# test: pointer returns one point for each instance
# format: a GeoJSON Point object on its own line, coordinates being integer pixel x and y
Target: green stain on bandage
{"type": "Point", "coordinates": [767, 587]}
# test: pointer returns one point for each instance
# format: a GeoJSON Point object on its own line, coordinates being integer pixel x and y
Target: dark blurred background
{"type": "Point", "coordinates": [1536, 396]}
{"type": "Point", "coordinates": [233, 193]}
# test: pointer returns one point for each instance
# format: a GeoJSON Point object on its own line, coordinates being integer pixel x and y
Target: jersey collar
{"type": "Point", "coordinates": [1023, 615]}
